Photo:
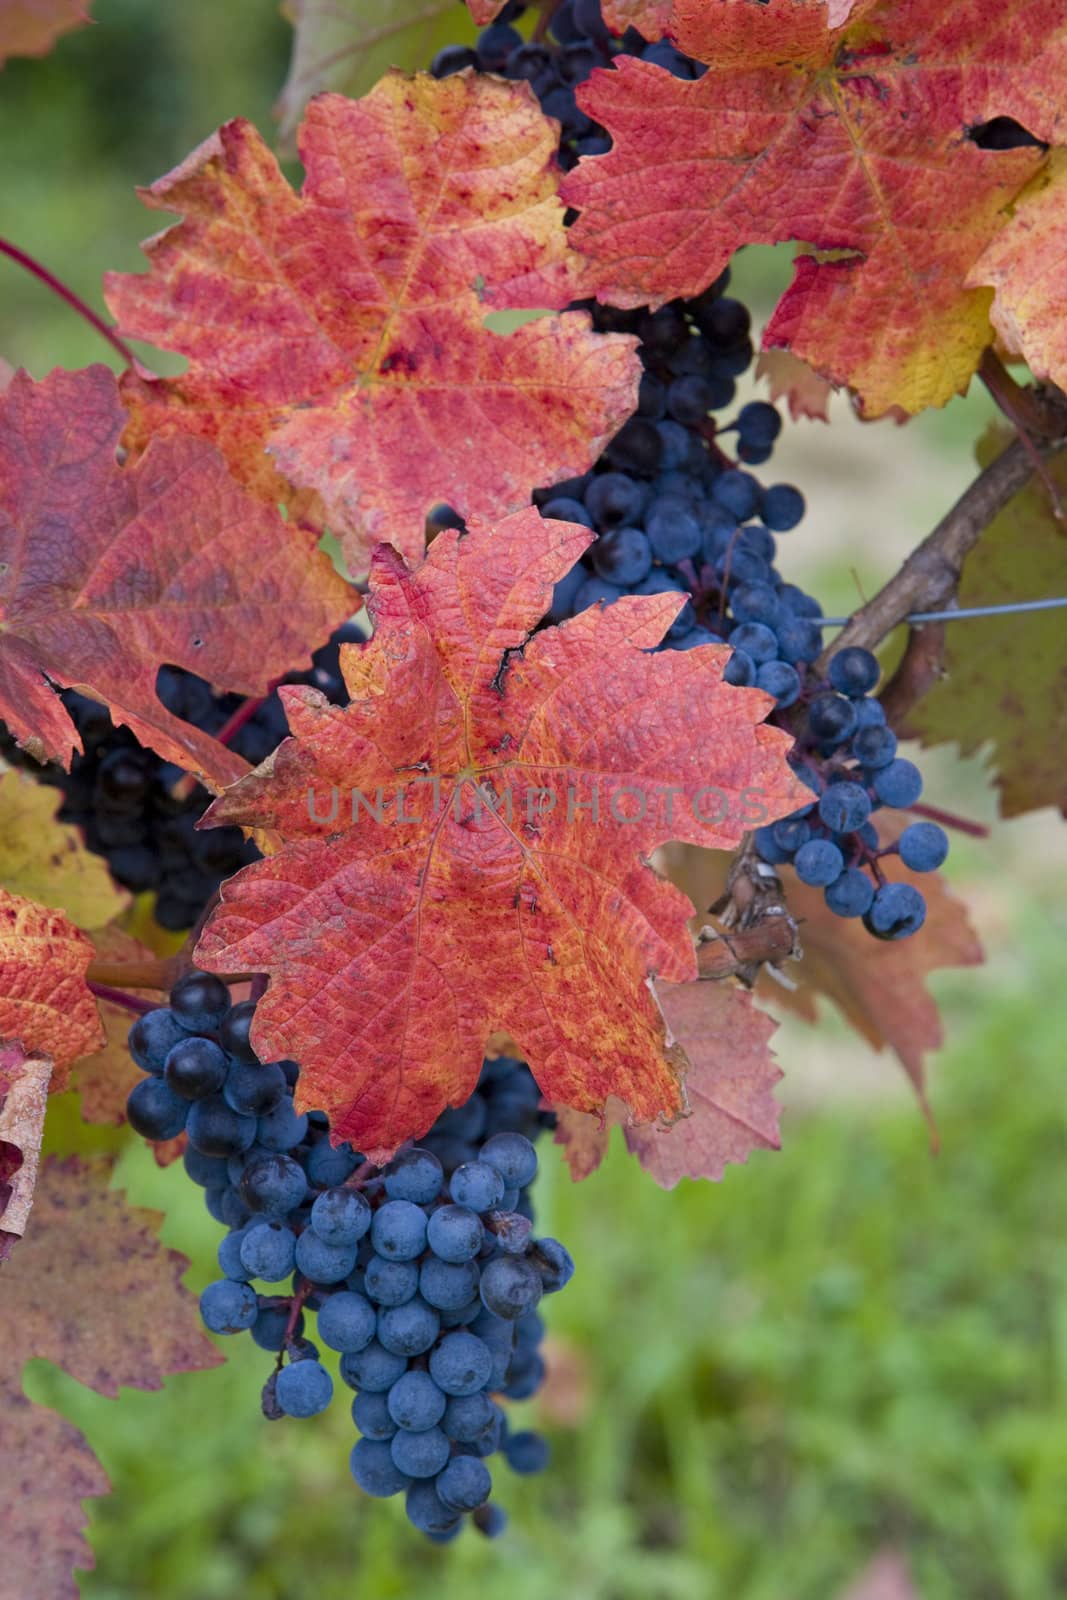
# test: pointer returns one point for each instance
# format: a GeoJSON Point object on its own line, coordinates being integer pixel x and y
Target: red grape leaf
{"type": "Point", "coordinates": [92, 1289]}
{"type": "Point", "coordinates": [1006, 677]}
{"type": "Point", "coordinates": [46, 860]}
{"type": "Point", "coordinates": [483, 11]}
{"type": "Point", "coordinates": [649, 17]}
{"type": "Point", "coordinates": [44, 999]}
{"type": "Point", "coordinates": [31, 27]}
{"type": "Point", "coordinates": [792, 380]}
{"type": "Point", "coordinates": [395, 948]}
{"type": "Point", "coordinates": [23, 1097]}
{"type": "Point", "coordinates": [49, 1470]}
{"type": "Point", "coordinates": [108, 572]}
{"type": "Point", "coordinates": [848, 131]}
{"type": "Point", "coordinates": [730, 1076]}
{"type": "Point", "coordinates": [1024, 264]}
{"type": "Point", "coordinates": [343, 330]}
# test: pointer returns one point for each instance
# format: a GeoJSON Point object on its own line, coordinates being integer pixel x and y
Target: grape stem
{"type": "Point", "coordinates": [70, 298]}
{"type": "Point", "coordinates": [928, 578]}
{"type": "Point", "coordinates": [977, 830]}
{"type": "Point", "coordinates": [1029, 415]}
{"type": "Point", "coordinates": [119, 997]}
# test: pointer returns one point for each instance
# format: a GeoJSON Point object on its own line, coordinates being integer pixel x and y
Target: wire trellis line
{"type": "Point", "coordinates": [960, 614]}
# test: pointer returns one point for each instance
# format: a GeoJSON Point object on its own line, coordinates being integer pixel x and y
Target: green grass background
{"type": "Point", "coordinates": [847, 1345]}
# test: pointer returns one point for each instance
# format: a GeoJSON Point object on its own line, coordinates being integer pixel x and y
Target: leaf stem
{"type": "Point", "coordinates": [66, 294]}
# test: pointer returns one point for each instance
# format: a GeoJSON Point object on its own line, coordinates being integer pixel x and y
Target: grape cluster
{"type": "Point", "coordinates": [577, 40]}
{"type": "Point", "coordinates": [675, 512]}
{"type": "Point", "coordinates": [425, 1275]}
{"type": "Point", "coordinates": [121, 795]}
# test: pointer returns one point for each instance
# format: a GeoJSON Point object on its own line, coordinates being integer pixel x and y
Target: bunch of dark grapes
{"type": "Point", "coordinates": [121, 795]}
{"type": "Point", "coordinates": [577, 40]}
{"type": "Point", "coordinates": [425, 1274]}
{"type": "Point", "coordinates": [675, 511]}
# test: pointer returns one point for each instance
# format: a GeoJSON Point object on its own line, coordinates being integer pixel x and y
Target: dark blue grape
{"type": "Point", "coordinates": [899, 784]}
{"type": "Point", "coordinates": [374, 1469]}
{"type": "Point", "coordinates": [390, 1283]}
{"type": "Point", "coordinates": [565, 509]}
{"type": "Point", "coordinates": [322, 1262]}
{"type": "Point", "coordinates": [461, 1364]}
{"type": "Point", "coordinates": [854, 671]}
{"type": "Point", "coordinates": [153, 1036]}
{"type": "Point", "coordinates": [758, 423]}
{"type": "Point", "coordinates": [420, 1455]}
{"type": "Point", "coordinates": [370, 1413]}
{"type": "Point", "coordinates": [781, 507]}
{"type": "Point", "coordinates": [845, 807]}
{"type": "Point", "coordinates": [465, 1483]}
{"type": "Point", "coordinates": [923, 846]}
{"type": "Point", "coordinates": [818, 863]}
{"type": "Point", "coordinates": [513, 1156]}
{"type": "Point", "coordinates": [781, 680]}
{"type": "Point", "coordinates": [155, 1112]}
{"type": "Point", "coordinates": [526, 1452]}
{"type": "Point", "coordinates": [740, 670]}
{"type": "Point", "coordinates": [510, 1286]}
{"type": "Point", "coordinates": [613, 499]}
{"type": "Point", "coordinates": [340, 1216]}
{"type": "Point", "coordinates": [347, 1322]}
{"type": "Point", "coordinates": [415, 1402]}
{"type": "Point", "coordinates": [410, 1329]}
{"type": "Point", "coordinates": [448, 1285]}
{"type": "Point", "coordinates": [897, 911]}
{"type": "Point", "coordinates": [199, 1001]}
{"type": "Point", "coordinates": [738, 492]}
{"type": "Point", "coordinates": [756, 640]}
{"type": "Point", "coordinates": [850, 894]}
{"type": "Point", "coordinates": [303, 1389]}
{"type": "Point", "coordinates": [228, 1307]}
{"type": "Point", "coordinates": [874, 746]}
{"type": "Point", "coordinates": [268, 1251]}
{"type": "Point", "coordinates": [831, 718]}
{"type": "Point", "coordinates": [623, 556]}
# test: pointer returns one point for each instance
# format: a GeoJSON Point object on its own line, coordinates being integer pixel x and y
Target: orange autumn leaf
{"type": "Point", "coordinates": [336, 339]}
{"type": "Point", "coordinates": [466, 845]}
{"type": "Point", "coordinates": [91, 1289]}
{"type": "Point", "coordinates": [792, 380]}
{"type": "Point", "coordinates": [843, 126]}
{"type": "Point", "coordinates": [107, 572]}
{"type": "Point", "coordinates": [730, 1076]}
{"type": "Point", "coordinates": [45, 1001]}
{"type": "Point", "coordinates": [880, 987]}
{"type": "Point", "coordinates": [24, 1081]}
{"type": "Point", "coordinates": [1026, 266]}
{"type": "Point", "coordinates": [31, 27]}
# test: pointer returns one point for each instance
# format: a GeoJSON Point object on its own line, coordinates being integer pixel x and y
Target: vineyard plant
{"type": "Point", "coordinates": [418, 760]}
